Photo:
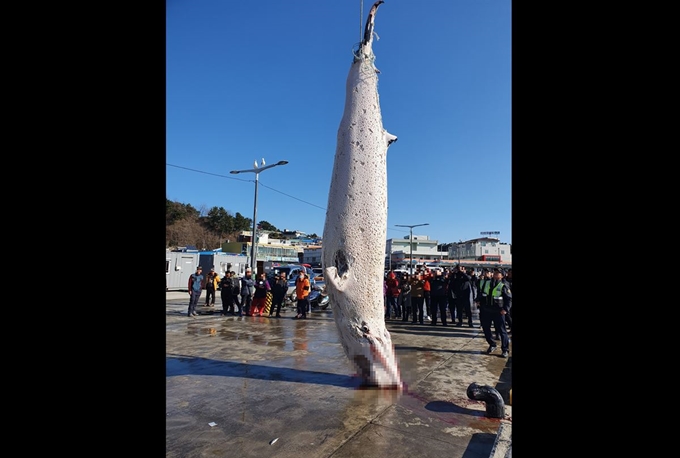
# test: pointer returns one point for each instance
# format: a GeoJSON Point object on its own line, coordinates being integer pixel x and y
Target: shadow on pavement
{"type": "Point", "coordinates": [186, 365]}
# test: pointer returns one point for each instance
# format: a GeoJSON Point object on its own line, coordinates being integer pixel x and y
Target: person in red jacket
{"type": "Point", "coordinates": [426, 295]}
{"type": "Point", "coordinates": [393, 292]}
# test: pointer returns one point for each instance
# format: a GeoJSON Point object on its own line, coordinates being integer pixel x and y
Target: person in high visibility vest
{"type": "Point", "coordinates": [486, 277]}
{"type": "Point", "coordinates": [495, 298]}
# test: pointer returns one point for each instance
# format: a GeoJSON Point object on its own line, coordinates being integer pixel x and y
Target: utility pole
{"type": "Point", "coordinates": [410, 260]}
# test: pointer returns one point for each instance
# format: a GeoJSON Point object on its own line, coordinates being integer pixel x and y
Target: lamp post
{"type": "Point", "coordinates": [256, 171]}
{"type": "Point", "coordinates": [389, 260]}
{"type": "Point", "coordinates": [410, 259]}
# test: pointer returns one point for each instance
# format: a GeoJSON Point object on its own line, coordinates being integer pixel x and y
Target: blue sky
{"type": "Point", "coordinates": [266, 79]}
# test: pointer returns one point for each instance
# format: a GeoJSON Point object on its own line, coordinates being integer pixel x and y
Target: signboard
{"type": "Point", "coordinates": [490, 232]}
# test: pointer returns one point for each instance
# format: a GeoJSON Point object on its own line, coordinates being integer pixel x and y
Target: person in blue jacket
{"type": "Point", "coordinates": [195, 287]}
{"type": "Point", "coordinates": [247, 291]}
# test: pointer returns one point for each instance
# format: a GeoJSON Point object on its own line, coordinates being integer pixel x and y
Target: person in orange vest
{"type": "Point", "coordinates": [302, 291]}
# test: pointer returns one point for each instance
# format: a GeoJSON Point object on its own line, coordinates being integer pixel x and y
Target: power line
{"type": "Point", "coordinates": [261, 184]}
{"type": "Point", "coordinates": [251, 181]}
{"type": "Point", "coordinates": [206, 173]}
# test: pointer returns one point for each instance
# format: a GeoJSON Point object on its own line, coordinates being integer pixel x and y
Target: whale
{"type": "Point", "coordinates": [355, 229]}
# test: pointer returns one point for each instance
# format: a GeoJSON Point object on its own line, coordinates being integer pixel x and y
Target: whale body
{"type": "Point", "coordinates": [355, 230]}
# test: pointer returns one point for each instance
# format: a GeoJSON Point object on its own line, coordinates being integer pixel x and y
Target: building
{"type": "Point", "coordinates": [278, 250]}
{"type": "Point", "coordinates": [485, 250]}
{"type": "Point", "coordinates": [295, 247]}
{"type": "Point", "coordinates": [477, 253]}
{"type": "Point", "coordinates": [312, 255]}
{"type": "Point", "coordinates": [398, 252]}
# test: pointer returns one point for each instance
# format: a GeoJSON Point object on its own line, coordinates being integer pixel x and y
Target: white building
{"type": "Point", "coordinates": [485, 249]}
{"type": "Point", "coordinates": [424, 251]}
{"type": "Point", "coordinates": [312, 255]}
{"type": "Point", "coordinates": [279, 250]}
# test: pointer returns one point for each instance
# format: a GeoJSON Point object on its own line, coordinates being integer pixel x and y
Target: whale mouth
{"type": "Point", "coordinates": [369, 378]}
{"type": "Point", "coordinates": [376, 363]}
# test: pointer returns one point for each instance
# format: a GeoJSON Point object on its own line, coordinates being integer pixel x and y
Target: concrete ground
{"type": "Point", "coordinates": [260, 387]}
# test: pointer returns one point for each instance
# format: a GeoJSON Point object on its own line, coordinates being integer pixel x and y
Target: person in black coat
{"type": "Point", "coordinates": [461, 284]}
{"type": "Point", "coordinates": [405, 297]}
{"type": "Point", "coordinates": [279, 290]}
{"type": "Point", "coordinates": [235, 291]}
{"type": "Point", "coordinates": [438, 297]}
{"type": "Point", "coordinates": [508, 317]}
{"type": "Point", "coordinates": [226, 293]}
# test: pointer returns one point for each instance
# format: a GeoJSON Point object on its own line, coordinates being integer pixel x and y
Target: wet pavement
{"type": "Point", "coordinates": [260, 387]}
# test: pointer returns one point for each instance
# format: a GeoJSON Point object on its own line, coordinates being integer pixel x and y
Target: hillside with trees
{"type": "Point", "coordinates": [206, 229]}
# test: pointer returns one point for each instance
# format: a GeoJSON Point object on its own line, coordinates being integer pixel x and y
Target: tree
{"type": "Point", "coordinates": [219, 220]}
{"type": "Point", "coordinates": [241, 223]}
{"type": "Point", "coordinates": [176, 211]}
{"type": "Point", "coordinates": [207, 229]}
{"type": "Point", "coordinates": [266, 226]}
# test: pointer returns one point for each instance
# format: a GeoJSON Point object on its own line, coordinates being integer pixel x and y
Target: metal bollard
{"type": "Point", "coordinates": [495, 406]}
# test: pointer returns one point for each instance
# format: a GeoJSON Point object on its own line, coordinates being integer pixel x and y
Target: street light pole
{"type": "Point", "coordinates": [256, 171]}
{"type": "Point", "coordinates": [410, 259]}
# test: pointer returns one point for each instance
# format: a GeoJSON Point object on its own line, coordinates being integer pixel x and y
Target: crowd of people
{"type": "Point", "coordinates": [246, 296]}
{"type": "Point", "coordinates": [427, 295]}
{"type": "Point", "coordinates": [449, 296]}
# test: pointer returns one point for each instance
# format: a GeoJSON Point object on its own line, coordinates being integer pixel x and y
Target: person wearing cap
{"type": "Point", "coordinates": [247, 291]}
{"type": "Point", "coordinates": [495, 303]}
{"type": "Point", "coordinates": [211, 282]}
{"type": "Point", "coordinates": [195, 287]}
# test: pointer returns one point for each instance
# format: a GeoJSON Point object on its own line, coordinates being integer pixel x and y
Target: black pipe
{"type": "Point", "coordinates": [495, 406]}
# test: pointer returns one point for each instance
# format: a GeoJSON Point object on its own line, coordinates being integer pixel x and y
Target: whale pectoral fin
{"type": "Point", "coordinates": [330, 275]}
{"type": "Point", "coordinates": [334, 278]}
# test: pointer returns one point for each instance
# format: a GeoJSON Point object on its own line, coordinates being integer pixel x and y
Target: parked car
{"type": "Point", "coordinates": [292, 271]}
{"type": "Point", "coordinates": [318, 273]}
